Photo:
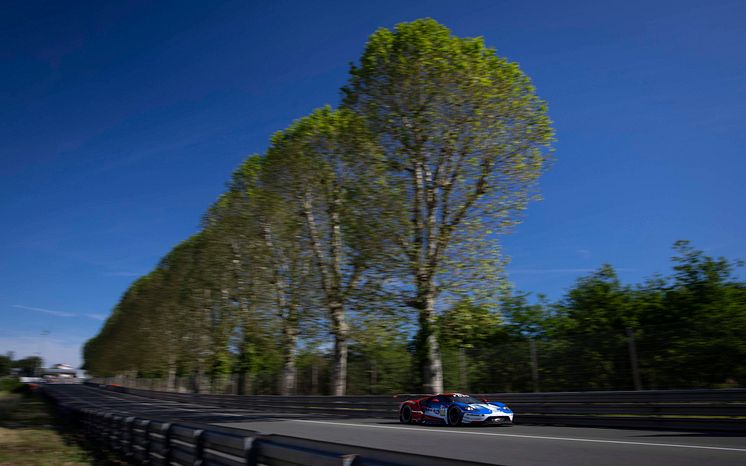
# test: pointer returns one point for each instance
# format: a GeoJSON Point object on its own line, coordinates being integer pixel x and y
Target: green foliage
{"type": "Point", "coordinates": [466, 325]}
{"type": "Point", "coordinates": [10, 385]}
{"type": "Point", "coordinates": [28, 365]}
{"type": "Point", "coordinates": [687, 329]}
{"type": "Point", "coordinates": [693, 323]}
{"type": "Point", "coordinates": [376, 225]}
{"type": "Point", "coordinates": [465, 138]}
{"type": "Point", "coordinates": [30, 434]}
{"type": "Point", "coordinates": [380, 362]}
{"type": "Point", "coordinates": [6, 362]}
{"type": "Point", "coordinates": [221, 365]}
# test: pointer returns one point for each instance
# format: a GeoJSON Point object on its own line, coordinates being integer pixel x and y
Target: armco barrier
{"type": "Point", "coordinates": [699, 410]}
{"type": "Point", "coordinates": [176, 443]}
{"type": "Point", "coordinates": [139, 449]}
{"type": "Point", "coordinates": [158, 442]}
{"type": "Point", "coordinates": [224, 449]}
{"type": "Point", "coordinates": [186, 445]}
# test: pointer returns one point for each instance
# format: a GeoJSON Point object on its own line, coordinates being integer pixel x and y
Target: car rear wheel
{"type": "Point", "coordinates": [405, 415]}
{"type": "Point", "coordinates": [454, 417]}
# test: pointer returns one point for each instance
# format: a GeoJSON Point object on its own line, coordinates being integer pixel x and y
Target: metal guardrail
{"type": "Point", "coordinates": [176, 443]}
{"type": "Point", "coordinates": [699, 410]}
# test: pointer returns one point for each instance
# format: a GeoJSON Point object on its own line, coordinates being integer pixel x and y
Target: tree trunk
{"type": "Point", "coordinates": [244, 383]}
{"type": "Point", "coordinates": [171, 381]}
{"type": "Point", "coordinates": [373, 377]}
{"type": "Point", "coordinates": [433, 366]}
{"type": "Point", "coordinates": [289, 370]}
{"type": "Point", "coordinates": [315, 378]}
{"type": "Point", "coordinates": [341, 334]}
{"type": "Point", "coordinates": [197, 380]}
{"type": "Point", "coordinates": [330, 269]}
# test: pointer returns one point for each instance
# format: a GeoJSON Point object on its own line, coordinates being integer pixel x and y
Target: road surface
{"type": "Point", "coordinates": [518, 445]}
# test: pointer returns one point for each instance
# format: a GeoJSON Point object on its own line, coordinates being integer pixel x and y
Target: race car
{"type": "Point", "coordinates": [454, 409]}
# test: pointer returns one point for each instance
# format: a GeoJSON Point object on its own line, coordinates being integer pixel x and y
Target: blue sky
{"type": "Point", "coordinates": [120, 122]}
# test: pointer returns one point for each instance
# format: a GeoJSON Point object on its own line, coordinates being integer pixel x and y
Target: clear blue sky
{"type": "Point", "coordinates": [120, 122]}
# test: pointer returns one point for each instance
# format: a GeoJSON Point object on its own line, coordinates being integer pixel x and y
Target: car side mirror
{"type": "Point", "coordinates": [485, 400]}
{"type": "Point", "coordinates": [435, 400]}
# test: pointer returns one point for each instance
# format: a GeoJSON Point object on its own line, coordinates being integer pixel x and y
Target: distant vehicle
{"type": "Point", "coordinates": [454, 409]}
{"type": "Point", "coordinates": [59, 373]}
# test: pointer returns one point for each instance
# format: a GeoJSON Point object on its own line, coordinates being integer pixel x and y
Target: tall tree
{"type": "Point", "coordinates": [229, 222]}
{"type": "Point", "coordinates": [465, 137]}
{"type": "Point", "coordinates": [265, 234]}
{"type": "Point", "coordinates": [327, 167]}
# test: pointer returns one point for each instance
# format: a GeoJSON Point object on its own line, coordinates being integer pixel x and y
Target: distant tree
{"type": "Point", "coordinates": [465, 137]}
{"type": "Point", "coordinates": [467, 324]}
{"type": "Point", "coordinates": [693, 323]}
{"type": "Point", "coordinates": [6, 362]}
{"type": "Point", "coordinates": [380, 362]}
{"type": "Point", "coordinates": [524, 320]}
{"type": "Point", "coordinates": [465, 329]}
{"type": "Point", "coordinates": [589, 333]}
{"type": "Point", "coordinates": [28, 365]}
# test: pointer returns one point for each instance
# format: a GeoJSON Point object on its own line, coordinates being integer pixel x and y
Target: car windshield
{"type": "Point", "coordinates": [464, 399]}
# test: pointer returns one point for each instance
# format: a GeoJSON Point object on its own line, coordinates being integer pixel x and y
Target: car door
{"type": "Point", "coordinates": [436, 407]}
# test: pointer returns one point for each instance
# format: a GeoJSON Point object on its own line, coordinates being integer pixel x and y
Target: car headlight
{"type": "Point", "coordinates": [469, 408]}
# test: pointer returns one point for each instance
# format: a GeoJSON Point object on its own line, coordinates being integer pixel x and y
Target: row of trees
{"type": "Point", "coordinates": [360, 254]}
{"type": "Point", "coordinates": [26, 366]}
{"type": "Point", "coordinates": [358, 222]}
{"type": "Point", "coordinates": [681, 330]}
{"type": "Point", "coordinates": [684, 330]}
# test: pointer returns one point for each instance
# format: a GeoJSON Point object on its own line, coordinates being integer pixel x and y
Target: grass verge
{"type": "Point", "coordinates": [30, 434]}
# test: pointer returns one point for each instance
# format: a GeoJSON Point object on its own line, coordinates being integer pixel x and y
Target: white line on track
{"type": "Point", "coordinates": [568, 439]}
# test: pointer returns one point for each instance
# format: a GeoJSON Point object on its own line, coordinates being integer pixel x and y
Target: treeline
{"type": "Point", "coordinates": [681, 330]}
{"type": "Point", "coordinates": [359, 254]}
{"type": "Point", "coordinates": [26, 367]}
{"type": "Point", "coordinates": [358, 223]}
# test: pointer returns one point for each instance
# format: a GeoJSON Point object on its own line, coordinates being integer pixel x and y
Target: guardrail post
{"type": "Point", "coordinates": [140, 440]}
{"type": "Point", "coordinates": [158, 447]}
{"type": "Point", "coordinates": [348, 460]}
{"type": "Point", "coordinates": [185, 445]}
{"type": "Point", "coordinates": [250, 452]}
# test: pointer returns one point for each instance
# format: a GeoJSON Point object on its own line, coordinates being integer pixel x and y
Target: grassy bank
{"type": "Point", "coordinates": [31, 435]}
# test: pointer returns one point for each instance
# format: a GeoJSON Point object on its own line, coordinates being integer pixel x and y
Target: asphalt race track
{"type": "Point", "coordinates": [517, 445]}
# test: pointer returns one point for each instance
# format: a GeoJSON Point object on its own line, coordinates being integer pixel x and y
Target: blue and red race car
{"type": "Point", "coordinates": [454, 409]}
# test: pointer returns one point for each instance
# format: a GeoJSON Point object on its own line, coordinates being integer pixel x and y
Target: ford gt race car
{"type": "Point", "coordinates": [454, 409]}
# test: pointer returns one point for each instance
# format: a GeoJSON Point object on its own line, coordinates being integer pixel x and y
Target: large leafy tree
{"type": "Point", "coordinates": [327, 168]}
{"type": "Point", "coordinates": [232, 224]}
{"type": "Point", "coordinates": [281, 261]}
{"type": "Point", "coordinates": [465, 137]}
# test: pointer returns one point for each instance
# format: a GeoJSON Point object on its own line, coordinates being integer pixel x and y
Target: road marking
{"type": "Point", "coordinates": [569, 439]}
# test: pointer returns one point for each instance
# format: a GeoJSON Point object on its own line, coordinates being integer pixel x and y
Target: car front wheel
{"type": "Point", "coordinates": [454, 417]}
